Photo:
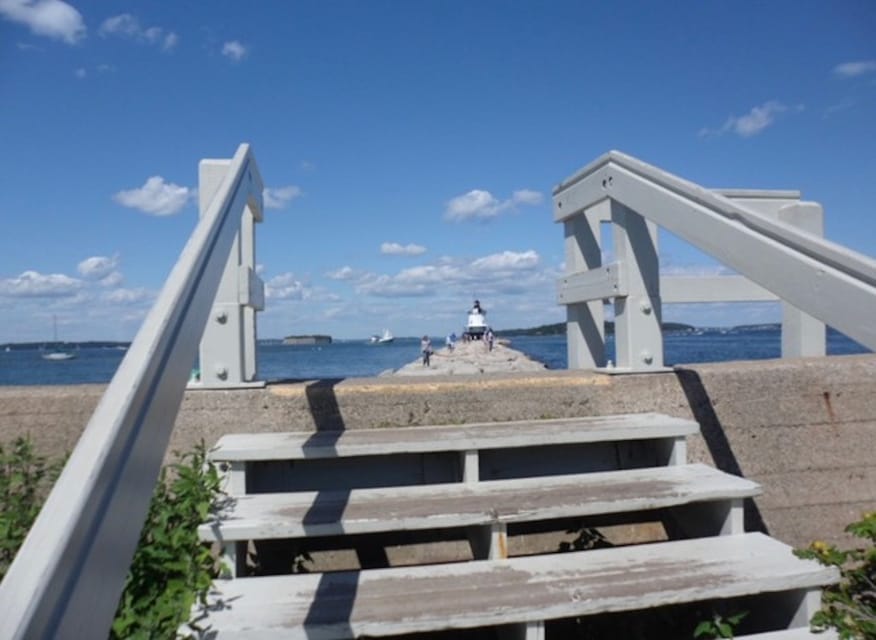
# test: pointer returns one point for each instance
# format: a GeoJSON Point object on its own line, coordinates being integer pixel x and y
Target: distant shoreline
{"type": "Point", "coordinates": [556, 329]}
{"type": "Point", "coordinates": [559, 328]}
{"type": "Point", "coordinates": [43, 344]}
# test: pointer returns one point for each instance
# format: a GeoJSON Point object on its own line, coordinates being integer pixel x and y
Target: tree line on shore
{"type": "Point", "coordinates": [559, 328]}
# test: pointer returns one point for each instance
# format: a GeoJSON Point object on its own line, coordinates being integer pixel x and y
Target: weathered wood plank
{"type": "Point", "coordinates": [324, 513]}
{"type": "Point", "coordinates": [487, 593]}
{"type": "Point", "coordinates": [297, 445]}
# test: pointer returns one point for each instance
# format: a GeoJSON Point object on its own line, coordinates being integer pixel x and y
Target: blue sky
{"type": "Point", "coordinates": [409, 148]}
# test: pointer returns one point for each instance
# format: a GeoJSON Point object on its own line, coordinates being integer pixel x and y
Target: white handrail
{"type": "Point", "coordinates": [588, 180]}
{"type": "Point", "coordinates": [813, 275]}
{"type": "Point", "coordinates": [68, 575]}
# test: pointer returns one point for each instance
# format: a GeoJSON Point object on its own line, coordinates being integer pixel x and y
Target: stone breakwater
{"type": "Point", "coordinates": [804, 428]}
{"type": "Point", "coordinates": [471, 358]}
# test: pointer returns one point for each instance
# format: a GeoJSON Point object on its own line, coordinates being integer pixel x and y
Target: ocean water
{"type": "Point", "coordinates": [351, 359]}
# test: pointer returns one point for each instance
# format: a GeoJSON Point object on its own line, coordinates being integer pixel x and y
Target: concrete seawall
{"type": "Point", "coordinates": [805, 429]}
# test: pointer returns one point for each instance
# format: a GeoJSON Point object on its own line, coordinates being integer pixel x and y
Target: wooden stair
{"type": "Point", "coordinates": [483, 479]}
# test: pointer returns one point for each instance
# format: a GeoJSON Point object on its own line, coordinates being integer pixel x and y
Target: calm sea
{"type": "Point", "coordinates": [347, 359]}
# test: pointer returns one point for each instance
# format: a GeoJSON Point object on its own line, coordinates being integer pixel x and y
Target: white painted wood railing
{"type": "Point", "coordinates": [67, 577]}
{"type": "Point", "coordinates": [771, 238]}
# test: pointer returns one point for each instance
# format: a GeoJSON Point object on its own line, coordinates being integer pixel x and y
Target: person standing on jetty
{"type": "Point", "coordinates": [426, 348]}
{"type": "Point", "coordinates": [489, 338]}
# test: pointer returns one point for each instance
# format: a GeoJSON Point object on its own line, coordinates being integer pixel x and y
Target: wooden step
{"type": "Point", "coordinates": [300, 445]}
{"type": "Point", "coordinates": [520, 591]}
{"type": "Point", "coordinates": [332, 513]}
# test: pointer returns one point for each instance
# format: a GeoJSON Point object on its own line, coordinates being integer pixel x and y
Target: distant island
{"type": "Point", "coordinates": [309, 339]}
{"type": "Point", "coordinates": [753, 328]}
{"type": "Point", "coordinates": [559, 329]}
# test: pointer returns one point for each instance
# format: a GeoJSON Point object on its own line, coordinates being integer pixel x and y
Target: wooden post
{"type": "Point", "coordinates": [637, 330]}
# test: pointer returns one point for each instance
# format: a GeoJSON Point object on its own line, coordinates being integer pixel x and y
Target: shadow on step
{"type": "Point", "coordinates": [712, 431]}
{"type": "Point", "coordinates": [336, 592]}
{"type": "Point", "coordinates": [762, 613]}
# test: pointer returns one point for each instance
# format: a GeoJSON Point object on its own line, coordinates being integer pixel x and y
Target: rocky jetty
{"type": "Point", "coordinates": [471, 358]}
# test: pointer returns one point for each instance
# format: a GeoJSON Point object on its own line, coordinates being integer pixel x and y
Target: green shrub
{"type": "Point", "coordinates": [850, 605]}
{"type": "Point", "coordinates": [25, 481]}
{"type": "Point", "coordinates": [172, 569]}
{"type": "Point", "coordinates": [719, 626]}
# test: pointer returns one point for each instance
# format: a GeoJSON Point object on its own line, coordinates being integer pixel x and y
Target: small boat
{"type": "Point", "coordinates": [386, 338]}
{"type": "Point", "coordinates": [57, 353]}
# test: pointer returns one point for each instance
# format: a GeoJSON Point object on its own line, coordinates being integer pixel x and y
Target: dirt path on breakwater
{"type": "Point", "coordinates": [471, 358]}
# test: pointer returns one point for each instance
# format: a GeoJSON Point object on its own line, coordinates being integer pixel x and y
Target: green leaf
{"type": "Point", "coordinates": [172, 569]}
{"type": "Point", "coordinates": [737, 618]}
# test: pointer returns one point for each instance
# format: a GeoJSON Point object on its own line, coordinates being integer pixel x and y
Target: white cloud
{"type": "Point", "coordinates": [334, 312]}
{"type": "Point", "coordinates": [50, 18]}
{"type": "Point", "coordinates": [474, 204]}
{"type": "Point", "coordinates": [854, 69]}
{"type": "Point", "coordinates": [758, 119]}
{"type": "Point", "coordinates": [392, 287]}
{"type": "Point", "coordinates": [839, 107]}
{"type": "Point", "coordinates": [279, 197]}
{"type": "Point", "coordinates": [508, 271]}
{"type": "Point", "coordinates": [396, 249]}
{"type": "Point", "coordinates": [286, 287]}
{"type": "Point", "coordinates": [478, 203]}
{"type": "Point", "coordinates": [32, 284]}
{"type": "Point", "coordinates": [121, 25]}
{"type": "Point", "coordinates": [128, 296]}
{"type": "Point", "coordinates": [128, 26]}
{"type": "Point", "coordinates": [82, 72]}
{"type": "Point", "coordinates": [750, 124]}
{"type": "Point", "coordinates": [234, 50]}
{"type": "Point", "coordinates": [156, 197]}
{"type": "Point", "coordinates": [527, 196]}
{"type": "Point", "coordinates": [97, 267]}
{"type": "Point", "coordinates": [170, 41]}
{"type": "Point", "coordinates": [506, 261]}
{"type": "Point", "coordinates": [321, 295]}
{"type": "Point", "coordinates": [344, 273]}
{"type": "Point", "coordinates": [113, 279]}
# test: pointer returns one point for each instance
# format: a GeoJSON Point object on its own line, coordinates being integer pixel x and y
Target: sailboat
{"type": "Point", "coordinates": [57, 353]}
{"type": "Point", "coordinates": [386, 338]}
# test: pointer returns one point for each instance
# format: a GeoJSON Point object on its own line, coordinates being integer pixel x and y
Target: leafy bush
{"type": "Point", "coordinates": [719, 626]}
{"type": "Point", "coordinates": [706, 620]}
{"type": "Point", "coordinates": [172, 568]}
{"type": "Point", "coordinates": [25, 481]}
{"type": "Point", "coordinates": [850, 605]}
